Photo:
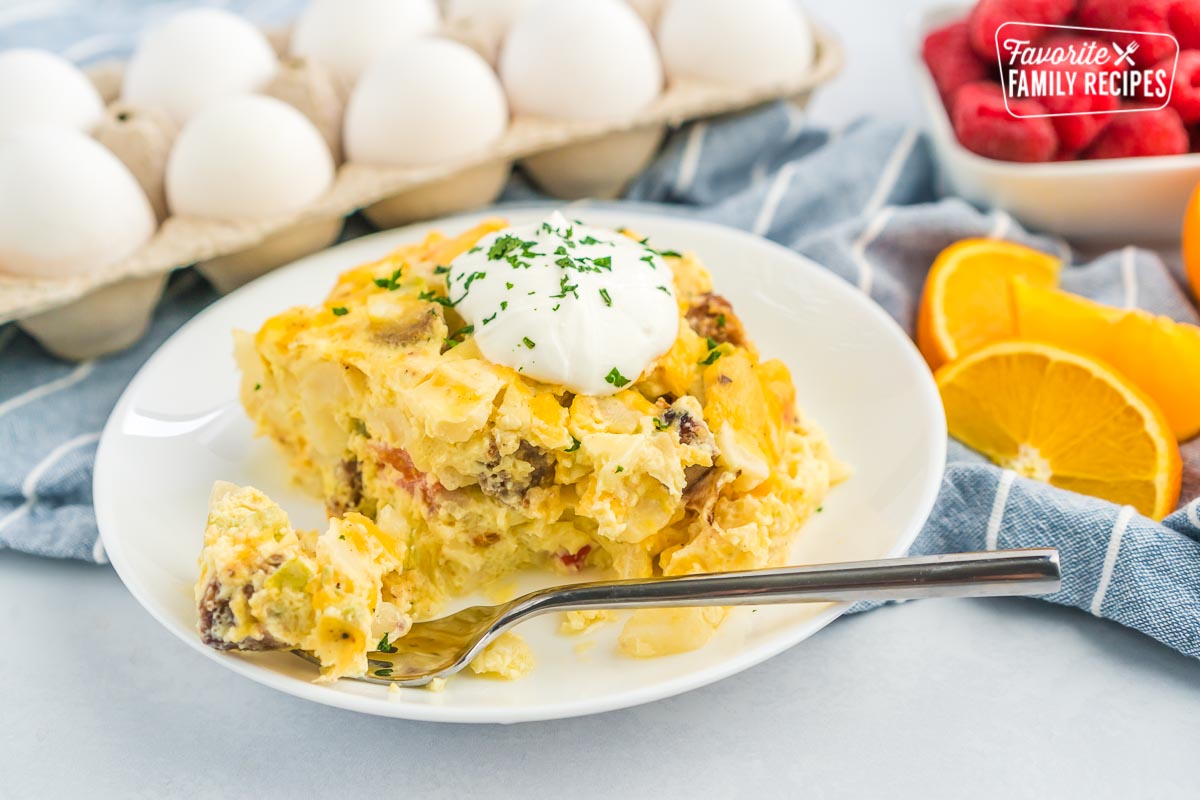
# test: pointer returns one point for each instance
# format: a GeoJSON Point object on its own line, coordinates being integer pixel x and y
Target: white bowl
{"type": "Point", "coordinates": [1114, 201]}
{"type": "Point", "coordinates": [178, 427]}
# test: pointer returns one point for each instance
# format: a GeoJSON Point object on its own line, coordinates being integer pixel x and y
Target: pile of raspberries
{"type": "Point", "coordinates": [963, 61]}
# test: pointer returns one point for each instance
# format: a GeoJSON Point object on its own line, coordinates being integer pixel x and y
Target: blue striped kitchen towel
{"type": "Point", "coordinates": [862, 201]}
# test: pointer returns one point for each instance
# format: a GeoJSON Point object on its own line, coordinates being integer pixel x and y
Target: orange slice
{"type": "Point", "coordinates": [1065, 419]}
{"type": "Point", "coordinates": [966, 303]}
{"type": "Point", "coordinates": [1191, 242]}
{"type": "Point", "coordinates": [1159, 355]}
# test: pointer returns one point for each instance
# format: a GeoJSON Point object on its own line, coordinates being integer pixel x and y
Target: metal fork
{"type": "Point", "coordinates": [441, 647]}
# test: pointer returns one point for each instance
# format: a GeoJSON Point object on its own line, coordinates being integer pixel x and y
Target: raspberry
{"type": "Point", "coordinates": [1088, 110]}
{"type": "Point", "coordinates": [1148, 132]}
{"type": "Point", "coordinates": [951, 61]}
{"type": "Point", "coordinates": [985, 126]}
{"type": "Point", "coordinates": [1132, 15]}
{"type": "Point", "coordinates": [988, 15]}
{"type": "Point", "coordinates": [1184, 19]}
{"type": "Point", "coordinates": [1078, 131]}
{"type": "Point", "coordinates": [1185, 88]}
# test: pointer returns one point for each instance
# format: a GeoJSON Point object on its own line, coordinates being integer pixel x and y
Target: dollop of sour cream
{"type": "Point", "coordinates": [583, 307]}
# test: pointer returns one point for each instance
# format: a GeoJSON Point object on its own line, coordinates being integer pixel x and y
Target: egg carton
{"type": "Point", "coordinates": [88, 315]}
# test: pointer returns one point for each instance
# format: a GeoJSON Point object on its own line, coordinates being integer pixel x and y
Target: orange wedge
{"type": "Point", "coordinates": [966, 303]}
{"type": "Point", "coordinates": [1159, 355]}
{"type": "Point", "coordinates": [1065, 419]}
{"type": "Point", "coordinates": [1191, 242]}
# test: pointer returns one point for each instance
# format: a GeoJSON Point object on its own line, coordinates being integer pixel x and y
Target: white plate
{"type": "Point", "coordinates": [1101, 202]}
{"type": "Point", "coordinates": [178, 427]}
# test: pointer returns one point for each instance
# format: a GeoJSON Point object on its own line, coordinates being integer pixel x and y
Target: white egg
{"type": "Point", "coordinates": [648, 10]}
{"type": "Point", "coordinates": [37, 86]}
{"type": "Point", "coordinates": [247, 157]}
{"type": "Point", "coordinates": [433, 101]}
{"type": "Point", "coordinates": [197, 57]}
{"type": "Point", "coordinates": [483, 24]}
{"type": "Point", "coordinates": [580, 59]}
{"type": "Point", "coordinates": [348, 35]}
{"type": "Point", "coordinates": [747, 43]}
{"type": "Point", "coordinates": [67, 205]}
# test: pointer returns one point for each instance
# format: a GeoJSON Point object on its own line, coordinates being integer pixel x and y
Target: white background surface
{"type": "Point", "coordinates": [953, 699]}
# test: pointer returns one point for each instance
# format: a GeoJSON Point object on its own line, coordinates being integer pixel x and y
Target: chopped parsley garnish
{"type": "Point", "coordinates": [649, 259]}
{"type": "Point", "coordinates": [445, 301]}
{"type": "Point", "coordinates": [441, 270]}
{"type": "Point", "coordinates": [428, 295]}
{"type": "Point", "coordinates": [574, 445]}
{"type": "Point", "coordinates": [713, 355]}
{"type": "Point", "coordinates": [391, 283]}
{"type": "Point", "coordinates": [504, 246]}
{"type": "Point", "coordinates": [566, 262]}
{"type": "Point", "coordinates": [670, 253]}
{"type": "Point", "coordinates": [565, 288]}
{"type": "Point", "coordinates": [604, 296]}
{"type": "Point", "coordinates": [464, 331]}
{"type": "Point", "coordinates": [528, 342]}
{"type": "Point", "coordinates": [619, 468]}
{"type": "Point", "coordinates": [384, 673]}
{"type": "Point", "coordinates": [257, 386]}
{"type": "Point", "coordinates": [615, 378]}
{"type": "Point", "coordinates": [603, 261]}
{"type": "Point", "coordinates": [339, 311]}
{"type": "Point", "coordinates": [486, 320]}
{"type": "Point", "coordinates": [661, 424]}
{"type": "Point", "coordinates": [711, 342]}
{"type": "Point", "coordinates": [589, 240]}
{"type": "Point", "coordinates": [342, 537]}
{"type": "Point", "coordinates": [820, 509]}
{"type": "Point", "coordinates": [503, 305]}
{"type": "Point", "coordinates": [507, 285]}
{"type": "Point", "coordinates": [557, 306]}
{"type": "Point", "coordinates": [385, 646]}
{"type": "Point", "coordinates": [664, 290]}
{"type": "Point", "coordinates": [475, 249]}
{"type": "Point", "coordinates": [474, 276]}
{"type": "Point", "coordinates": [720, 320]}
{"type": "Point", "coordinates": [451, 343]}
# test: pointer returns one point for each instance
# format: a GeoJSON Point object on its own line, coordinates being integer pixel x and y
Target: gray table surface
{"type": "Point", "coordinates": [982, 698]}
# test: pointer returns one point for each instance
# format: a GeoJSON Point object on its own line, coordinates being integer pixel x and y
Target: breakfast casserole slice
{"type": "Point", "coordinates": [422, 396]}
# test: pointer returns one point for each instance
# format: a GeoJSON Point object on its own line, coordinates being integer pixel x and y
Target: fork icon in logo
{"type": "Point", "coordinates": [1125, 56]}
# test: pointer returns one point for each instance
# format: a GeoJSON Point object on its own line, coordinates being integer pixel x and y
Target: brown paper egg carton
{"type": "Point", "coordinates": [104, 311]}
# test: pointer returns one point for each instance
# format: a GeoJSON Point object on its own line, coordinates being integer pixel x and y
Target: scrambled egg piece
{"type": "Point", "coordinates": [653, 632]}
{"type": "Point", "coordinates": [388, 411]}
{"type": "Point", "coordinates": [581, 621]}
{"type": "Point", "coordinates": [265, 586]}
{"type": "Point", "coordinates": [508, 657]}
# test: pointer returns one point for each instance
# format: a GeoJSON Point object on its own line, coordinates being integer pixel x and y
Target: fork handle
{"type": "Point", "coordinates": [990, 574]}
